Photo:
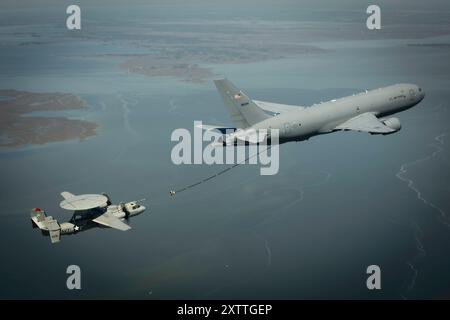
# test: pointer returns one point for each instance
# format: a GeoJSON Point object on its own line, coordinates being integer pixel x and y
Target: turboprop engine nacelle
{"type": "Point", "coordinates": [134, 208]}
{"type": "Point", "coordinates": [67, 227]}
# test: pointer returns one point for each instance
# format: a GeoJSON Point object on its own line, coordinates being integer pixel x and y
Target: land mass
{"type": "Point", "coordinates": [18, 127]}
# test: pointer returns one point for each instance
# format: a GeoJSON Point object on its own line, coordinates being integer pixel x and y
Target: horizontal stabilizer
{"type": "Point", "coordinates": [277, 107]}
{"type": "Point", "coordinates": [221, 129]}
{"type": "Point", "coordinates": [53, 229]}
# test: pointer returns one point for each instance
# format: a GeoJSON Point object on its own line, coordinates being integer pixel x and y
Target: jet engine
{"type": "Point", "coordinates": [392, 123]}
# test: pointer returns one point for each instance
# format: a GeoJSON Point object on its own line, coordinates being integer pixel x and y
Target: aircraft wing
{"type": "Point", "coordinates": [277, 107]}
{"type": "Point", "coordinates": [109, 220]}
{"type": "Point", "coordinates": [365, 122]}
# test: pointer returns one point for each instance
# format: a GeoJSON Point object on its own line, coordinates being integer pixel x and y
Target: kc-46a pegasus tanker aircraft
{"type": "Point", "coordinates": [368, 111]}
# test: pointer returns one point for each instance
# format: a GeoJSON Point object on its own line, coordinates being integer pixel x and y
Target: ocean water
{"type": "Point", "coordinates": [339, 203]}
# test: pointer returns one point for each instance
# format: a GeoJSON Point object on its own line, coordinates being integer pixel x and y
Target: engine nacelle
{"type": "Point", "coordinates": [392, 123]}
{"type": "Point", "coordinates": [133, 208]}
{"type": "Point", "coordinates": [67, 227]}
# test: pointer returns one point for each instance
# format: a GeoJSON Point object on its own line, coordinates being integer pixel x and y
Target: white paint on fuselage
{"type": "Point", "coordinates": [325, 117]}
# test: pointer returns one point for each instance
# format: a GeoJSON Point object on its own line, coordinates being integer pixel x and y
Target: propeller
{"type": "Point", "coordinates": [124, 208]}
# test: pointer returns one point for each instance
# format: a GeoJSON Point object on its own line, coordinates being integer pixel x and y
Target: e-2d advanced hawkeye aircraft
{"type": "Point", "coordinates": [368, 111]}
{"type": "Point", "coordinates": [90, 210]}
